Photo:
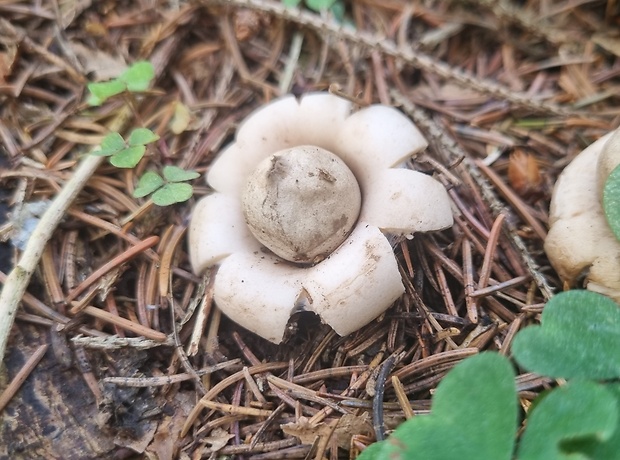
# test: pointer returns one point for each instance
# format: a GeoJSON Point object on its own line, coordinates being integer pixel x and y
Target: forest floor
{"type": "Point", "coordinates": [507, 93]}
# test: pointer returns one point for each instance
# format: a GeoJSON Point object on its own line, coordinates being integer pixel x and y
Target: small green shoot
{"type": "Point", "coordinates": [335, 7]}
{"type": "Point", "coordinates": [167, 190]}
{"type": "Point", "coordinates": [126, 153]}
{"type": "Point", "coordinates": [135, 79]}
{"type": "Point", "coordinates": [578, 340]}
{"type": "Point", "coordinates": [611, 201]}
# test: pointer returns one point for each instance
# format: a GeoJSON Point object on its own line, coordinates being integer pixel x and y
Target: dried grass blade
{"type": "Point", "coordinates": [125, 323]}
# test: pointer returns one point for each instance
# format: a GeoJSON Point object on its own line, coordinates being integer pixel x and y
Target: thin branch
{"type": "Point", "coordinates": [388, 47]}
{"type": "Point", "coordinates": [19, 278]}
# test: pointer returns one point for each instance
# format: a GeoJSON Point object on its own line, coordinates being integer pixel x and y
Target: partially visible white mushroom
{"type": "Point", "coordinates": [580, 241]}
{"type": "Point", "coordinates": [302, 200]}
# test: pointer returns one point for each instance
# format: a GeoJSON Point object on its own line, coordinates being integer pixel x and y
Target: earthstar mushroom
{"type": "Point", "coordinates": [580, 241]}
{"type": "Point", "coordinates": [303, 200]}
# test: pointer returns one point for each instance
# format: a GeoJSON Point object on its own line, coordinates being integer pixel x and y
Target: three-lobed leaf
{"type": "Point", "coordinates": [136, 78]}
{"type": "Point", "coordinates": [569, 422]}
{"type": "Point", "coordinates": [579, 337]}
{"type": "Point", "coordinates": [611, 201]}
{"type": "Point", "coordinates": [126, 154]}
{"type": "Point", "coordinates": [168, 190]}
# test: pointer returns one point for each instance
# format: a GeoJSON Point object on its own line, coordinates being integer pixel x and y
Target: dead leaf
{"type": "Point", "coordinates": [218, 439]}
{"type": "Point", "coordinates": [7, 60]}
{"type": "Point", "coordinates": [141, 442]}
{"type": "Point", "coordinates": [71, 9]}
{"type": "Point", "coordinates": [181, 118]}
{"type": "Point", "coordinates": [102, 65]}
{"type": "Point", "coordinates": [608, 42]}
{"type": "Point", "coordinates": [247, 23]}
{"type": "Point", "coordinates": [348, 425]}
{"type": "Point", "coordinates": [523, 173]}
{"type": "Point", "coordinates": [167, 440]}
{"type": "Point", "coordinates": [304, 430]}
{"type": "Point", "coordinates": [9, 42]}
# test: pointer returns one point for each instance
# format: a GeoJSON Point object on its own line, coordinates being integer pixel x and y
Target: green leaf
{"type": "Point", "coordinates": [579, 336]}
{"type": "Point", "coordinates": [142, 136]}
{"type": "Point", "coordinates": [473, 416]}
{"type": "Point", "coordinates": [148, 183]}
{"type": "Point", "coordinates": [176, 174]}
{"type": "Point", "coordinates": [173, 193]}
{"type": "Point", "coordinates": [611, 201]}
{"type": "Point", "coordinates": [138, 77]}
{"type": "Point", "coordinates": [338, 11]}
{"type": "Point", "coordinates": [111, 144]}
{"type": "Point", "coordinates": [100, 92]}
{"type": "Point", "coordinates": [569, 419]}
{"type": "Point", "coordinates": [291, 3]}
{"type": "Point", "coordinates": [320, 5]}
{"type": "Point", "coordinates": [373, 451]}
{"type": "Point", "coordinates": [609, 448]}
{"type": "Point", "coordinates": [129, 157]}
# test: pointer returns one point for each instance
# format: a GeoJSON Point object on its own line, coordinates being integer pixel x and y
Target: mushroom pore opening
{"type": "Point", "coordinates": [301, 203]}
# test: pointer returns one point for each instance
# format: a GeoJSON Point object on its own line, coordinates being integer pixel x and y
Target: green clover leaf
{"type": "Point", "coordinates": [112, 143]}
{"type": "Point", "coordinates": [142, 136]}
{"type": "Point", "coordinates": [579, 337]}
{"type": "Point", "coordinates": [176, 174]}
{"type": "Point", "coordinates": [138, 77]}
{"type": "Point", "coordinates": [173, 193]}
{"type": "Point", "coordinates": [126, 154]}
{"type": "Point", "coordinates": [100, 92]}
{"type": "Point", "coordinates": [568, 421]}
{"type": "Point", "coordinates": [168, 190]}
{"type": "Point", "coordinates": [129, 157]}
{"type": "Point", "coordinates": [320, 5]}
{"type": "Point", "coordinates": [480, 388]}
{"type": "Point", "coordinates": [148, 183]}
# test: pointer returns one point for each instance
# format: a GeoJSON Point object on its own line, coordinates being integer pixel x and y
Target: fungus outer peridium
{"type": "Point", "coordinates": [580, 240]}
{"type": "Point", "coordinates": [360, 278]}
